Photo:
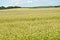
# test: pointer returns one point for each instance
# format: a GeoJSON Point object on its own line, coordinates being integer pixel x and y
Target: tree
{"type": "Point", "coordinates": [2, 7]}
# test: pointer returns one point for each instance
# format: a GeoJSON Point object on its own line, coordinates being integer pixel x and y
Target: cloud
{"type": "Point", "coordinates": [24, 2]}
{"type": "Point", "coordinates": [29, 1]}
{"type": "Point", "coordinates": [41, 1]}
{"type": "Point", "coordinates": [18, 2]}
{"type": "Point", "coordinates": [15, 2]}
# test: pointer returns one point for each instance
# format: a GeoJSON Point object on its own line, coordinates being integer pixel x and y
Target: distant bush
{"type": "Point", "coordinates": [46, 7]}
{"type": "Point", "coordinates": [13, 7]}
{"type": "Point", "coordinates": [2, 7]}
{"type": "Point", "coordinates": [9, 7]}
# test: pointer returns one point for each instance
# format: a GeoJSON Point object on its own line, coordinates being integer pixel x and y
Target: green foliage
{"type": "Point", "coordinates": [11, 7]}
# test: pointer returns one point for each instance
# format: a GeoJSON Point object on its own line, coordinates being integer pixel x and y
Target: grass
{"type": "Point", "coordinates": [30, 24]}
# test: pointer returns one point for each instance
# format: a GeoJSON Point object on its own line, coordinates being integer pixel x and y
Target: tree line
{"type": "Point", "coordinates": [10, 7]}
{"type": "Point", "coordinates": [46, 7]}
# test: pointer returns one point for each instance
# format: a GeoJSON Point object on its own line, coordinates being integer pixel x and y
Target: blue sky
{"type": "Point", "coordinates": [29, 3]}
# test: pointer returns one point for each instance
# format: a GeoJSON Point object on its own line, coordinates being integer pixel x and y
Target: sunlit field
{"type": "Point", "coordinates": [30, 24]}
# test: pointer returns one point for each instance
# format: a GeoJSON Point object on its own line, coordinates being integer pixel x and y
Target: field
{"type": "Point", "coordinates": [30, 24]}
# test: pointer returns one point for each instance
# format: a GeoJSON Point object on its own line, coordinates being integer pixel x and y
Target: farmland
{"type": "Point", "coordinates": [30, 24]}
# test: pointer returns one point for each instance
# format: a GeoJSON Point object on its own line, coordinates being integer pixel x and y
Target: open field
{"type": "Point", "coordinates": [30, 24]}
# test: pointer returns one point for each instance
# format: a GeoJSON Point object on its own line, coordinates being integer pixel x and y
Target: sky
{"type": "Point", "coordinates": [29, 3]}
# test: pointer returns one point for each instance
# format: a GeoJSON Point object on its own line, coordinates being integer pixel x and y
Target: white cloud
{"type": "Point", "coordinates": [15, 2]}
{"type": "Point", "coordinates": [21, 2]}
{"type": "Point", "coordinates": [18, 2]}
{"type": "Point", "coordinates": [29, 1]}
{"type": "Point", "coordinates": [40, 0]}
